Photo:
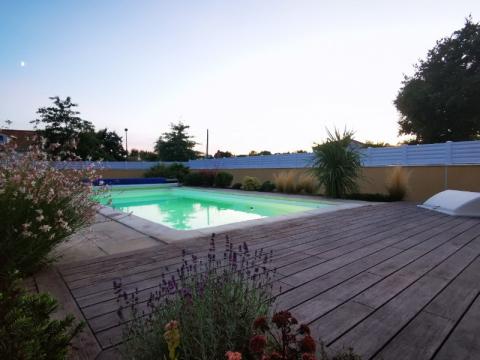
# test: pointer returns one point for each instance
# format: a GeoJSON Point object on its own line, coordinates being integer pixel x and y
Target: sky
{"type": "Point", "coordinates": [260, 75]}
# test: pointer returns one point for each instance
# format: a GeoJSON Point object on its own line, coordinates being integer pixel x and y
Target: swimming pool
{"type": "Point", "coordinates": [183, 208]}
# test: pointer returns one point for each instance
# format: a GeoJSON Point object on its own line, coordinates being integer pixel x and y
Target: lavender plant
{"type": "Point", "coordinates": [210, 303]}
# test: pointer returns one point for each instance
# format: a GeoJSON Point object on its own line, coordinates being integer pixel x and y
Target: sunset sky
{"type": "Point", "coordinates": [259, 74]}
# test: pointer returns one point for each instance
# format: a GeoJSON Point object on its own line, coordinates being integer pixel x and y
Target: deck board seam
{"type": "Point", "coordinates": [428, 303]}
{"type": "Point", "coordinates": [437, 350]}
{"type": "Point", "coordinates": [326, 260]}
{"type": "Point", "coordinates": [403, 290]}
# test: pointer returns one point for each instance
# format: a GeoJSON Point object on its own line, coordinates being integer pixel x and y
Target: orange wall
{"type": "Point", "coordinates": [424, 181]}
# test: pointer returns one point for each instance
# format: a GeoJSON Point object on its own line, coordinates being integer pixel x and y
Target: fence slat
{"type": "Point", "coordinates": [456, 153]}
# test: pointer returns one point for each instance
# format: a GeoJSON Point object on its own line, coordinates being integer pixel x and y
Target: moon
{"type": "Point", "coordinates": [23, 63]}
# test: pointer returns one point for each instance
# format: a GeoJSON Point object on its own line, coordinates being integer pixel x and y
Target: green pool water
{"type": "Point", "coordinates": [186, 209]}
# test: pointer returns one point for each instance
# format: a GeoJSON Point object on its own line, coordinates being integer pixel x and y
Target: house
{"type": "Point", "coordinates": [21, 138]}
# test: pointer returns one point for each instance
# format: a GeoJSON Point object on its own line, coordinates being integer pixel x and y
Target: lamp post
{"type": "Point", "coordinates": [126, 143]}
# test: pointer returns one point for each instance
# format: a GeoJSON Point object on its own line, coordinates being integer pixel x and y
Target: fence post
{"type": "Point", "coordinates": [448, 161]}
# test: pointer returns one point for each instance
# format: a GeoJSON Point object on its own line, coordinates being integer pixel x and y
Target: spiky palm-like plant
{"type": "Point", "coordinates": [337, 163]}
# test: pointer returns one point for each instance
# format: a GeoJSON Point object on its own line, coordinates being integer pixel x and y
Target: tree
{"type": "Point", "coordinates": [62, 126]}
{"type": "Point", "coordinates": [441, 101]}
{"type": "Point", "coordinates": [176, 145]}
{"type": "Point", "coordinates": [375, 144]}
{"type": "Point", "coordinates": [143, 155]}
{"type": "Point", "coordinates": [111, 144]}
{"type": "Point", "coordinates": [222, 154]}
{"type": "Point", "coordinates": [263, 152]}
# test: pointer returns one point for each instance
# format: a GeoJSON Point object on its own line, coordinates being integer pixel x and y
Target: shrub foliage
{"type": "Point", "coordinates": [26, 330]}
{"type": "Point", "coordinates": [223, 179]}
{"type": "Point", "coordinates": [39, 206]}
{"type": "Point", "coordinates": [251, 183]}
{"type": "Point", "coordinates": [267, 186]}
{"type": "Point", "coordinates": [172, 171]}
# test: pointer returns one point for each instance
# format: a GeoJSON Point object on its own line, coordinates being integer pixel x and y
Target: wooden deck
{"type": "Point", "coordinates": [392, 281]}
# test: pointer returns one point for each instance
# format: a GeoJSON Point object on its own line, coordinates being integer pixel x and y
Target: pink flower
{"type": "Point", "coordinates": [45, 228]}
{"type": "Point", "coordinates": [233, 355]}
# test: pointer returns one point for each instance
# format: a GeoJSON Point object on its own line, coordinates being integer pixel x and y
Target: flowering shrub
{"type": "Point", "coordinates": [39, 207]}
{"type": "Point", "coordinates": [284, 339]}
{"type": "Point", "coordinates": [288, 340]}
{"type": "Point", "coordinates": [203, 309]}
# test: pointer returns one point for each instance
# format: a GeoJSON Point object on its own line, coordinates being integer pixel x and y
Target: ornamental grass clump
{"type": "Point", "coordinates": [202, 310]}
{"type": "Point", "coordinates": [397, 183]}
{"type": "Point", "coordinates": [307, 183]}
{"type": "Point", "coordinates": [285, 181]}
{"type": "Point", "coordinates": [40, 206]}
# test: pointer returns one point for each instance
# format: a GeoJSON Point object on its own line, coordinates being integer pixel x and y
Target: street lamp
{"type": "Point", "coordinates": [126, 142]}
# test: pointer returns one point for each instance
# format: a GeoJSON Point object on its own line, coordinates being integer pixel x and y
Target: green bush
{"type": "Point", "coordinates": [237, 186]}
{"type": "Point", "coordinates": [200, 178]}
{"type": "Point", "coordinates": [173, 171]}
{"type": "Point", "coordinates": [251, 183]}
{"type": "Point", "coordinates": [223, 179]}
{"type": "Point", "coordinates": [267, 186]}
{"type": "Point", "coordinates": [40, 206]}
{"type": "Point", "coordinates": [337, 164]}
{"type": "Point", "coordinates": [193, 179]}
{"type": "Point", "coordinates": [26, 329]}
{"type": "Point", "coordinates": [204, 309]}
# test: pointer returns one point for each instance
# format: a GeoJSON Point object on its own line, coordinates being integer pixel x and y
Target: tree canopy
{"type": "Point", "coordinates": [62, 126]}
{"type": "Point", "coordinates": [441, 101]}
{"type": "Point", "coordinates": [176, 145]}
{"type": "Point", "coordinates": [136, 155]}
{"type": "Point", "coordinates": [222, 154]}
{"type": "Point", "coordinates": [67, 135]}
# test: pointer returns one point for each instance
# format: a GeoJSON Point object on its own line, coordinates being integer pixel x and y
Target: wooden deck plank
{"type": "Point", "coordinates": [423, 336]}
{"type": "Point", "coordinates": [382, 325]}
{"type": "Point", "coordinates": [261, 235]}
{"type": "Point", "coordinates": [109, 305]}
{"type": "Point", "coordinates": [376, 298]}
{"type": "Point", "coordinates": [376, 278]}
{"type": "Point", "coordinates": [293, 237]}
{"type": "Point", "coordinates": [314, 307]}
{"type": "Point", "coordinates": [138, 279]}
{"type": "Point", "coordinates": [464, 342]}
{"type": "Point", "coordinates": [85, 344]}
{"type": "Point", "coordinates": [111, 319]}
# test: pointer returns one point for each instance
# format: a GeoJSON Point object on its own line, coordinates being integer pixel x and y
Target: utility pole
{"type": "Point", "coordinates": [206, 152]}
{"type": "Point", "coordinates": [126, 143]}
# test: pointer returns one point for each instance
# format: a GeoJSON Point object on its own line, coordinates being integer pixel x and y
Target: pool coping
{"type": "Point", "coordinates": [169, 235]}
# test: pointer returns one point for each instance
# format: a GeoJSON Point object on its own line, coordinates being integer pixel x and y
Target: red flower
{"type": "Point", "coordinates": [282, 318]}
{"type": "Point", "coordinates": [258, 343]}
{"type": "Point", "coordinates": [307, 356]}
{"type": "Point", "coordinates": [275, 356]}
{"type": "Point", "coordinates": [307, 344]}
{"type": "Point", "coordinates": [304, 330]}
{"type": "Point", "coordinates": [261, 324]}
